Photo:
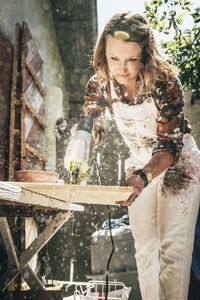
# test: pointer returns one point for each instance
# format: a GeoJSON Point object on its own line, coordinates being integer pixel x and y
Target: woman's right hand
{"type": "Point", "coordinates": [137, 183]}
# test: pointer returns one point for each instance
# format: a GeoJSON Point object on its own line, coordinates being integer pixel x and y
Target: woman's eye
{"type": "Point", "coordinates": [133, 59]}
{"type": "Point", "coordinates": [114, 58]}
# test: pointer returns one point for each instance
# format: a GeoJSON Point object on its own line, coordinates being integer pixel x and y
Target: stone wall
{"type": "Point", "coordinates": [76, 28]}
{"type": "Point", "coordinates": [38, 15]}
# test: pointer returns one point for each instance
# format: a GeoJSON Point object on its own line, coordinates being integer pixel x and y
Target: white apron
{"type": "Point", "coordinates": [163, 217]}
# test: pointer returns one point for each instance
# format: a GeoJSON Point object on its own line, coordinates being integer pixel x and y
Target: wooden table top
{"type": "Point", "coordinates": [80, 194]}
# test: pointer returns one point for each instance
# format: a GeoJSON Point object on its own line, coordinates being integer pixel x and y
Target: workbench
{"type": "Point", "coordinates": [61, 198]}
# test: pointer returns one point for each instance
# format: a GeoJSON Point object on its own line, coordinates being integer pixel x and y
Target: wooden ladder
{"type": "Point", "coordinates": [19, 148]}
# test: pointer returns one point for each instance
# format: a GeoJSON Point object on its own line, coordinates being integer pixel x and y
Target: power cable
{"type": "Point", "coordinates": [111, 237]}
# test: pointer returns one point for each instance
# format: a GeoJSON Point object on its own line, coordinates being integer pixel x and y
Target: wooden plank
{"type": "Point", "coordinates": [88, 194]}
{"type": "Point", "coordinates": [15, 209]}
{"type": "Point", "coordinates": [29, 197]}
{"type": "Point", "coordinates": [26, 272]}
{"type": "Point", "coordinates": [34, 136]}
{"type": "Point", "coordinates": [34, 152]}
{"type": "Point", "coordinates": [8, 242]}
{"type": "Point", "coordinates": [34, 113]}
{"type": "Point", "coordinates": [33, 57]}
{"type": "Point", "coordinates": [31, 278]}
{"type": "Point", "coordinates": [37, 201]}
{"type": "Point", "coordinates": [23, 107]}
{"type": "Point", "coordinates": [35, 247]}
{"type": "Point", "coordinates": [37, 81]}
{"type": "Point", "coordinates": [37, 63]}
{"type": "Point", "coordinates": [15, 72]}
{"type": "Point", "coordinates": [44, 237]}
{"type": "Point", "coordinates": [13, 97]}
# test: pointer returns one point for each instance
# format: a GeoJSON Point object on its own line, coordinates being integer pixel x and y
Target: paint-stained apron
{"type": "Point", "coordinates": [163, 217]}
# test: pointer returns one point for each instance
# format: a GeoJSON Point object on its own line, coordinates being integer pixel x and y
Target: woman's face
{"type": "Point", "coordinates": [124, 59]}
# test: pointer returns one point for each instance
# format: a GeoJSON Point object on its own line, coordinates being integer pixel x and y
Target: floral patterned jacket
{"type": "Point", "coordinates": [169, 100]}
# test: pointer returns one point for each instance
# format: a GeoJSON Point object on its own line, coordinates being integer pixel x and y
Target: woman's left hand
{"type": "Point", "coordinates": [137, 183]}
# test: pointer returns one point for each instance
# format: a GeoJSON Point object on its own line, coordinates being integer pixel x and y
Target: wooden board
{"type": "Point", "coordinates": [20, 264]}
{"type": "Point", "coordinates": [88, 194]}
{"type": "Point", "coordinates": [14, 141]}
{"type": "Point", "coordinates": [41, 201]}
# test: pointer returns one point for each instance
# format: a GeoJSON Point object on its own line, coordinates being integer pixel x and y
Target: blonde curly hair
{"type": "Point", "coordinates": [154, 63]}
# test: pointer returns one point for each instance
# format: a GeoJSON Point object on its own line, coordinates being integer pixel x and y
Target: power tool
{"type": "Point", "coordinates": [78, 154]}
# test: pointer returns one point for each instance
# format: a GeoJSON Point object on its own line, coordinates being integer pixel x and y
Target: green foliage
{"type": "Point", "coordinates": [166, 16]}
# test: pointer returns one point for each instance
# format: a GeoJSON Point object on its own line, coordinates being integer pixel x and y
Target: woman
{"type": "Point", "coordinates": [143, 93]}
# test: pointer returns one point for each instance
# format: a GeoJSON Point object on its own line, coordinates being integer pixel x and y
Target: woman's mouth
{"type": "Point", "coordinates": [122, 75]}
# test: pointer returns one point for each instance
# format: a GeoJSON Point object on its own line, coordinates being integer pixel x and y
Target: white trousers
{"type": "Point", "coordinates": [163, 228]}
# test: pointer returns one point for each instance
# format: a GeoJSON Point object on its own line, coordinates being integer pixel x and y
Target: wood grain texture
{"type": "Point", "coordinates": [30, 198]}
{"type": "Point", "coordinates": [88, 194]}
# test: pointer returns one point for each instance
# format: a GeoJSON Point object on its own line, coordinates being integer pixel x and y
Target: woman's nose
{"type": "Point", "coordinates": [123, 67]}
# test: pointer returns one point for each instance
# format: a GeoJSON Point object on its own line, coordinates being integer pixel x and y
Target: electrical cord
{"type": "Point", "coordinates": [111, 253]}
{"type": "Point", "coordinates": [111, 237]}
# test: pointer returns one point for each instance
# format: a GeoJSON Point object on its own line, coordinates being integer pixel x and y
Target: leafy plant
{"type": "Point", "coordinates": [183, 46]}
